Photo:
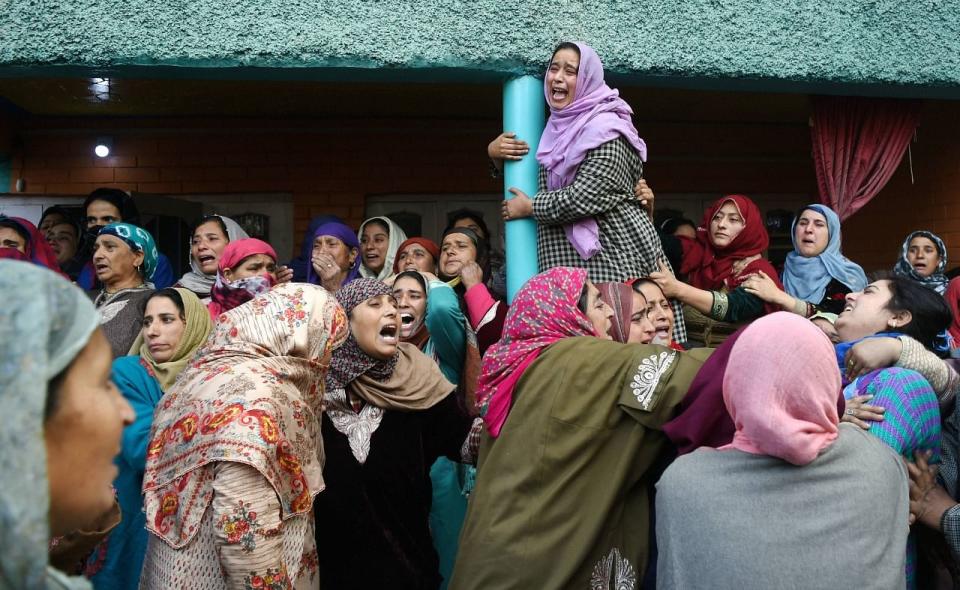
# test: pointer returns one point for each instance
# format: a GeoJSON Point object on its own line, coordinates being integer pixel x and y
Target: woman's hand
{"type": "Point", "coordinates": [471, 274]}
{"type": "Point", "coordinates": [506, 147]}
{"type": "Point", "coordinates": [762, 286]}
{"type": "Point", "coordinates": [518, 207]}
{"type": "Point", "coordinates": [284, 274]}
{"type": "Point", "coordinates": [928, 500]}
{"type": "Point", "coordinates": [740, 265]}
{"type": "Point", "coordinates": [325, 267]}
{"type": "Point", "coordinates": [857, 410]}
{"type": "Point", "coordinates": [645, 195]}
{"type": "Point", "coordinates": [872, 354]}
{"type": "Point", "coordinates": [668, 283]}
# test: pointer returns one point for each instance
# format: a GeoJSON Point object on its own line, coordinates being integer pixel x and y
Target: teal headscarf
{"type": "Point", "coordinates": [44, 324]}
{"type": "Point", "coordinates": [807, 278]}
{"type": "Point", "coordinates": [139, 240]}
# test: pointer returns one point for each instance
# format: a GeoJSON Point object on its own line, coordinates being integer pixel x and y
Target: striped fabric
{"type": "Point", "coordinates": [910, 423]}
{"type": "Point", "coordinates": [912, 418]}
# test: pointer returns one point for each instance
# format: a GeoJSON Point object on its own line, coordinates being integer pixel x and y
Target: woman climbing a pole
{"type": "Point", "coordinates": [591, 157]}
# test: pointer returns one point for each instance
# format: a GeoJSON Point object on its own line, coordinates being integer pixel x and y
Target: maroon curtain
{"type": "Point", "coordinates": [857, 145]}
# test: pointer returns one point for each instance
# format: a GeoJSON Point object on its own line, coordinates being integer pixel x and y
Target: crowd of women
{"type": "Point", "coordinates": [660, 406]}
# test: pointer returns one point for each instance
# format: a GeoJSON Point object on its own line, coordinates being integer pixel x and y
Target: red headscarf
{"type": "Point", "coordinates": [428, 245]}
{"type": "Point", "coordinates": [226, 295]}
{"type": "Point", "coordinates": [543, 312]}
{"type": "Point", "coordinates": [952, 296]}
{"type": "Point", "coordinates": [37, 250]}
{"type": "Point", "coordinates": [711, 268]}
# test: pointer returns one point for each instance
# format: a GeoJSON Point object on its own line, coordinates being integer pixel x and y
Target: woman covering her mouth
{"type": "Point", "coordinates": [389, 416]}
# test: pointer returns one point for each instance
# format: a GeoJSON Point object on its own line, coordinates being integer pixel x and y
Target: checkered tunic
{"type": "Point", "coordinates": [603, 189]}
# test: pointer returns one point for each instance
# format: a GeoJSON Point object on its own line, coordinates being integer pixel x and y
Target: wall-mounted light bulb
{"type": "Point", "coordinates": [103, 147]}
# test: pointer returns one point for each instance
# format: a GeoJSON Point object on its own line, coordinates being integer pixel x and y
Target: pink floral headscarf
{"type": "Point", "coordinates": [543, 312]}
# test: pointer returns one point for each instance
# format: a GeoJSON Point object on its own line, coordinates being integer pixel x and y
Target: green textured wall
{"type": "Point", "coordinates": [881, 46]}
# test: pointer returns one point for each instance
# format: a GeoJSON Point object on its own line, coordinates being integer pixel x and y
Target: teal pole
{"type": "Point", "coordinates": [524, 112]}
{"type": "Point", "coordinates": [6, 162]}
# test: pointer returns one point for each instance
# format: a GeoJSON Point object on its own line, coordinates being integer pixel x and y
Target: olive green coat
{"type": "Point", "coordinates": [561, 499]}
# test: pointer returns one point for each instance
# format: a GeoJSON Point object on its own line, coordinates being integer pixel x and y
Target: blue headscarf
{"type": "Point", "coordinates": [301, 263]}
{"type": "Point", "coordinates": [342, 232]}
{"type": "Point", "coordinates": [807, 278]}
{"type": "Point", "coordinates": [44, 324]}
{"type": "Point", "coordinates": [937, 281]}
{"type": "Point", "coordinates": [139, 240]}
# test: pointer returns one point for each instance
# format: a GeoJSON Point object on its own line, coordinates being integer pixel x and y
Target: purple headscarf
{"type": "Point", "coordinates": [342, 232]}
{"type": "Point", "coordinates": [596, 115]}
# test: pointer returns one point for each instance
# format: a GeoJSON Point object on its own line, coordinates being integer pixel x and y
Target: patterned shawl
{"type": "Point", "coordinates": [44, 324]}
{"type": "Point", "coordinates": [198, 281]}
{"type": "Point", "coordinates": [252, 395]}
{"type": "Point", "coordinates": [543, 312]}
{"type": "Point", "coordinates": [139, 240]}
{"type": "Point", "coordinates": [780, 388]}
{"type": "Point", "coordinates": [409, 380]}
{"type": "Point", "coordinates": [226, 295]}
{"type": "Point", "coordinates": [807, 278]}
{"type": "Point", "coordinates": [619, 296]}
{"type": "Point", "coordinates": [349, 362]}
{"type": "Point", "coordinates": [194, 336]}
{"type": "Point", "coordinates": [936, 281]}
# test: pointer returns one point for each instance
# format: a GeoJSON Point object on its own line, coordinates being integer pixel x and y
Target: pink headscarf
{"type": "Point", "coordinates": [780, 388]}
{"type": "Point", "coordinates": [596, 115]}
{"type": "Point", "coordinates": [543, 312]}
{"type": "Point", "coordinates": [226, 295]}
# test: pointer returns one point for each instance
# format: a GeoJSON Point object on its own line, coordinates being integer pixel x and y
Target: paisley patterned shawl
{"type": "Point", "coordinates": [543, 312]}
{"type": "Point", "coordinates": [251, 395]}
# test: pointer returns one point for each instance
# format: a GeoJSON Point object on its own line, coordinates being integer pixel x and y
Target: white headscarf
{"type": "Point", "coordinates": [198, 281]}
{"type": "Point", "coordinates": [397, 237]}
{"type": "Point", "coordinates": [44, 324]}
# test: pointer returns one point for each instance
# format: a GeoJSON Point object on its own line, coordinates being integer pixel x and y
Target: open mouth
{"type": "Point", "coordinates": [101, 267]}
{"type": "Point", "coordinates": [558, 94]}
{"type": "Point", "coordinates": [205, 259]}
{"type": "Point", "coordinates": [406, 319]}
{"type": "Point", "coordinates": [388, 333]}
{"type": "Point", "coordinates": [663, 332]}
{"type": "Point", "coordinates": [847, 308]}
